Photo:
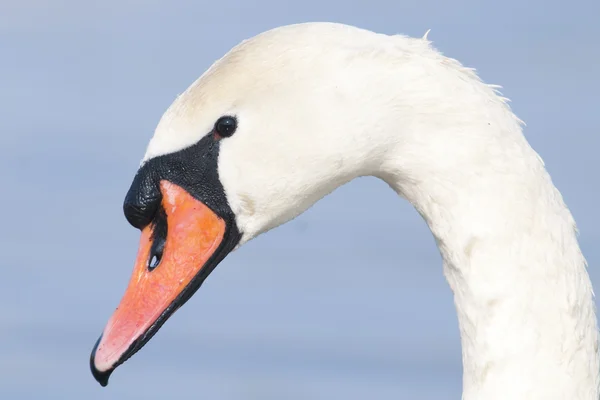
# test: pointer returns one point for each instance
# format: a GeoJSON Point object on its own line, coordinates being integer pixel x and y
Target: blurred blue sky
{"type": "Point", "coordinates": [348, 301]}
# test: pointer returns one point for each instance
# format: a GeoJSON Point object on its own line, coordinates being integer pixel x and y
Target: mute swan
{"type": "Point", "coordinates": [288, 116]}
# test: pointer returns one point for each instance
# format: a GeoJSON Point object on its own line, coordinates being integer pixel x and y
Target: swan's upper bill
{"type": "Point", "coordinates": [288, 116]}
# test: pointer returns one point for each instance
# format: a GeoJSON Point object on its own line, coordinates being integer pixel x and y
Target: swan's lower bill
{"type": "Point", "coordinates": [176, 253]}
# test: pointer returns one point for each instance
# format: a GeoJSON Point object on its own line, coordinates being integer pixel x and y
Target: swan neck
{"type": "Point", "coordinates": [522, 293]}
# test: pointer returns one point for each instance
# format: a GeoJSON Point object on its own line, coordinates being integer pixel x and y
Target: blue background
{"type": "Point", "coordinates": [347, 301]}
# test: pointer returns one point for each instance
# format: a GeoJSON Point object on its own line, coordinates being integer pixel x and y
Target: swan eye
{"type": "Point", "coordinates": [225, 126]}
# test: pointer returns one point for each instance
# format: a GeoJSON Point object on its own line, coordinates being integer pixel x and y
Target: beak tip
{"type": "Point", "coordinates": [100, 376]}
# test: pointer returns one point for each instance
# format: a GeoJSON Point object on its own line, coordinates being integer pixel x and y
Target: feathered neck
{"type": "Point", "coordinates": [523, 296]}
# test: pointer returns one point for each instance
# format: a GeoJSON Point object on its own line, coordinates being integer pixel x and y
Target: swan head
{"type": "Point", "coordinates": [276, 124]}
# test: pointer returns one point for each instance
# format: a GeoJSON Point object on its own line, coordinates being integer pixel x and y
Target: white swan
{"type": "Point", "coordinates": [288, 116]}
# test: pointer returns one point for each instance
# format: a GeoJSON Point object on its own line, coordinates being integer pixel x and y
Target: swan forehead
{"type": "Point", "coordinates": [264, 70]}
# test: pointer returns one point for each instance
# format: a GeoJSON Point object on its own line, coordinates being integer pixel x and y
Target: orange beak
{"type": "Point", "coordinates": [186, 256]}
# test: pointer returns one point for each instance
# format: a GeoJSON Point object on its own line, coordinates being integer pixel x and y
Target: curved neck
{"type": "Point", "coordinates": [521, 290]}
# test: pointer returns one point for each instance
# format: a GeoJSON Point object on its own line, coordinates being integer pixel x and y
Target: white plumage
{"type": "Point", "coordinates": [320, 104]}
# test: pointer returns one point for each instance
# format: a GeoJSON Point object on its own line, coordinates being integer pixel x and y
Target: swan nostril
{"type": "Point", "coordinates": [159, 238]}
{"type": "Point", "coordinates": [154, 261]}
{"type": "Point", "coordinates": [156, 253]}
